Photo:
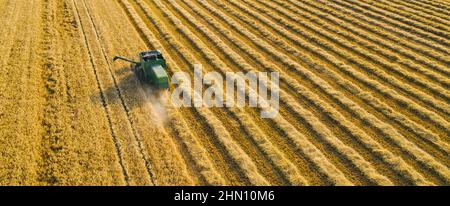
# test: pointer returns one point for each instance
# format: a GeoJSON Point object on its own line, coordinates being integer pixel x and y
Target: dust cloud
{"type": "Point", "coordinates": [158, 101]}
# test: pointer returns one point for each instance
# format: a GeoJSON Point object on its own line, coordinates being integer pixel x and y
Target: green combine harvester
{"type": "Point", "coordinates": [150, 69]}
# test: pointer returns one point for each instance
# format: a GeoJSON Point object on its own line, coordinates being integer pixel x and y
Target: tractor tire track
{"type": "Point", "coordinates": [121, 98]}
{"type": "Point", "coordinates": [103, 100]}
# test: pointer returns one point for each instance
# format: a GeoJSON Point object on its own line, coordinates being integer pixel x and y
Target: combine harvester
{"type": "Point", "coordinates": [151, 69]}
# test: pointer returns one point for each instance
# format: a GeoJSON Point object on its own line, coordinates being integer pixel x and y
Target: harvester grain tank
{"type": "Point", "coordinates": [151, 69]}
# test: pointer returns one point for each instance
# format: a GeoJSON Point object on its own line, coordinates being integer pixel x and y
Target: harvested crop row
{"type": "Point", "coordinates": [282, 44]}
{"type": "Point", "coordinates": [422, 10]}
{"type": "Point", "coordinates": [315, 124]}
{"type": "Point", "coordinates": [397, 19]}
{"type": "Point", "coordinates": [198, 153]}
{"type": "Point", "coordinates": [240, 136]}
{"type": "Point", "coordinates": [267, 64]}
{"type": "Point", "coordinates": [258, 137]}
{"type": "Point", "coordinates": [385, 129]}
{"type": "Point", "coordinates": [55, 141]}
{"type": "Point", "coordinates": [357, 35]}
{"type": "Point", "coordinates": [367, 35]}
{"type": "Point", "coordinates": [432, 5]}
{"type": "Point", "coordinates": [239, 155]}
{"type": "Point", "coordinates": [405, 12]}
{"type": "Point", "coordinates": [264, 63]}
{"type": "Point", "coordinates": [246, 141]}
{"type": "Point", "coordinates": [378, 60]}
{"type": "Point", "coordinates": [220, 65]}
{"type": "Point", "coordinates": [442, 4]}
{"type": "Point", "coordinates": [403, 123]}
{"type": "Point", "coordinates": [373, 71]}
{"type": "Point", "coordinates": [376, 71]}
{"type": "Point", "coordinates": [415, 108]}
{"type": "Point", "coordinates": [439, 4]}
{"type": "Point", "coordinates": [264, 33]}
{"type": "Point", "coordinates": [381, 29]}
{"type": "Point", "coordinates": [416, 29]}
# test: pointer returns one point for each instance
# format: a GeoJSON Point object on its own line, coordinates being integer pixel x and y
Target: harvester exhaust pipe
{"type": "Point", "coordinates": [124, 59]}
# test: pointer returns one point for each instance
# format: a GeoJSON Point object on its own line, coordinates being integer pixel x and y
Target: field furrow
{"type": "Point", "coordinates": [283, 96]}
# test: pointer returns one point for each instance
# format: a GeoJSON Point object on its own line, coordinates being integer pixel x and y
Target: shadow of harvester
{"type": "Point", "coordinates": [126, 91]}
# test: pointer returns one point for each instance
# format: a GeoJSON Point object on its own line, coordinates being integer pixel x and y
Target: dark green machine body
{"type": "Point", "coordinates": [150, 69]}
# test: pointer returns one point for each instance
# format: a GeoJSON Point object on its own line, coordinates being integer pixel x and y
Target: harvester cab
{"type": "Point", "coordinates": [151, 68]}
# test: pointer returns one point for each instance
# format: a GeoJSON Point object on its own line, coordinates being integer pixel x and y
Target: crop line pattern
{"type": "Point", "coordinates": [384, 128]}
{"type": "Point", "coordinates": [268, 64]}
{"type": "Point", "coordinates": [372, 43]}
{"type": "Point", "coordinates": [321, 129]}
{"type": "Point", "coordinates": [214, 60]}
{"type": "Point", "coordinates": [416, 109]}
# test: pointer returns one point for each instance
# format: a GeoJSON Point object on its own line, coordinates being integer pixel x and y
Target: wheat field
{"type": "Point", "coordinates": [364, 93]}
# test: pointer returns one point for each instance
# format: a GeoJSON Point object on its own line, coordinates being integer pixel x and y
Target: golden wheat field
{"type": "Point", "coordinates": [364, 93]}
